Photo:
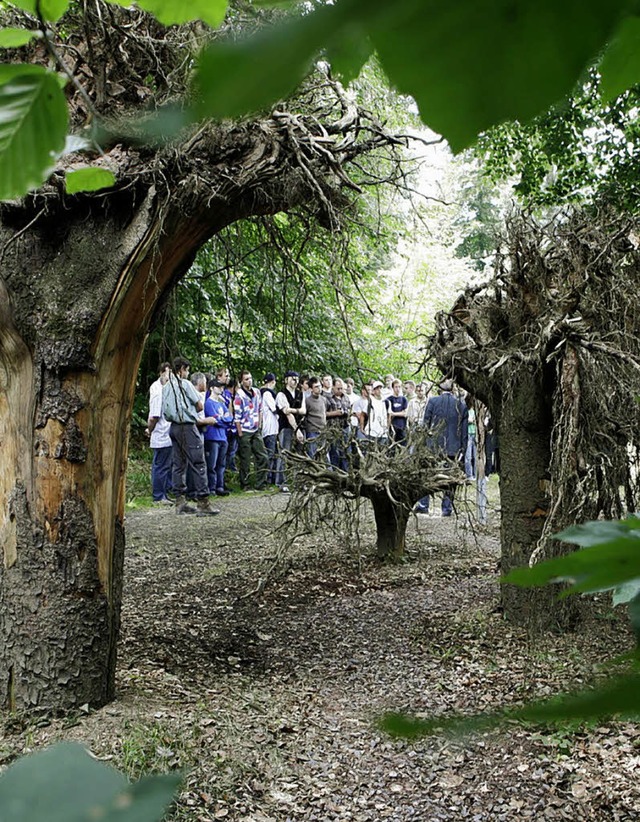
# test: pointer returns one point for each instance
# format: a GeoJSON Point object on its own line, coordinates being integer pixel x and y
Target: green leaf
{"type": "Point", "coordinates": [626, 592]}
{"type": "Point", "coordinates": [470, 65]}
{"type": "Point", "coordinates": [620, 64]}
{"type": "Point", "coordinates": [146, 800]}
{"type": "Point", "coordinates": [51, 10]}
{"type": "Point", "coordinates": [12, 38]}
{"type": "Point", "coordinates": [616, 697]}
{"type": "Point", "coordinates": [60, 784]}
{"type": "Point", "coordinates": [33, 127]}
{"type": "Point", "coordinates": [236, 78]}
{"type": "Point", "coordinates": [9, 71]}
{"type": "Point", "coordinates": [64, 783]}
{"type": "Point", "coordinates": [610, 558]}
{"type": "Point", "coordinates": [634, 616]}
{"type": "Point", "coordinates": [170, 12]}
{"type": "Point", "coordinates": [88, 179]}
{"type": "Point", "coordinates": [348, 51]}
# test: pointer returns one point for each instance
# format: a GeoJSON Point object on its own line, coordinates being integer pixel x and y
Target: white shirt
{"type": "Point", "coordinates": [269, 415]}
{"type": "Point", "coordinates": [160, 435]}
{"type": "Point", "coordinates": [378, 424]}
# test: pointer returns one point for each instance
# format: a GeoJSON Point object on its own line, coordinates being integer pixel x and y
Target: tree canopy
{"type": "Point", "coordinates": [469, 66]}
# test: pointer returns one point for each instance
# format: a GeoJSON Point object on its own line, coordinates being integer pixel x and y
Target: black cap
{"type": "Point", "coordinates": [291, 374]}
{"type": "Point", "coordinates": [269, 377]}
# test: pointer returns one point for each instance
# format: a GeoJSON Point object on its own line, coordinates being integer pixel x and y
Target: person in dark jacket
{"type": "Point", "coordinates": [447, 417]}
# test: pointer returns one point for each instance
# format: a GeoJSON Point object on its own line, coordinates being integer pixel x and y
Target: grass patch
{"type": "Point", "coordinates": [138, 480]}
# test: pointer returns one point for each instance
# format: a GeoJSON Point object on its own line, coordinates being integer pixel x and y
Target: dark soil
{"type": "Point", "coordinates": [269, 702]}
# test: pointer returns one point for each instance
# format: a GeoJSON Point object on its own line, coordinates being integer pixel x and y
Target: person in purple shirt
{"type": "Point", "coordinates": [218, 419]}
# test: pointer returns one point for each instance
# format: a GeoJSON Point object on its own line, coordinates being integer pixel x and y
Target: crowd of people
{"type": "Point", "coordinates": [202, 425]}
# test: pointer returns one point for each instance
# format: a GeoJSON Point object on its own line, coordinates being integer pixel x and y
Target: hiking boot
{"type": "Point", "coordinates": [183, 507]}
{"type": "Point", "coordinates": [205, 509]}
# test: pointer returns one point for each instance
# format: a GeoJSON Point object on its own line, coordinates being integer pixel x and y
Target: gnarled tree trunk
{"type": "Point", "coordinates": [81, 279]}
{"type": "Point", "coordinates": [391, 526]}
{"type": "Point", "coordinates": [548, 347]}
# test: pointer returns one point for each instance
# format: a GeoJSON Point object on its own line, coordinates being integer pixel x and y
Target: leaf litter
{"type": "Point", "coordinates": [268, 703]}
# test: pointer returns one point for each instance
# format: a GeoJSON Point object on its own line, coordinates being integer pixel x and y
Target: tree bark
{"type": "Point", "coordinates": [81, 280]}
{"type": "Point", "coordinates": [391, 526]}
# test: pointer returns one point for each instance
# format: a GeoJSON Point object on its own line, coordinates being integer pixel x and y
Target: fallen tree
{"type": "Point", "coordinates": [392, 478]}
{"type": "Point", "coordinates": [552, 346]}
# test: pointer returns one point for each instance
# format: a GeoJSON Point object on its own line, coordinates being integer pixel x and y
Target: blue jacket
{"type": "Point", "coordinates": [447, 417]}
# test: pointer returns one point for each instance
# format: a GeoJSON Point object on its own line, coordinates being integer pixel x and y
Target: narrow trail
{"type": "Point", "coordinates": [269, 703]}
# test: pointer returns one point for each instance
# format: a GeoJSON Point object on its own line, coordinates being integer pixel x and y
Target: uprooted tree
{"type": "Point", "coordinates": [552, 346]}
{"type": "Point", "coordinates": [82, 278]}
{"type": "Point", "coordinates": [391, 477]}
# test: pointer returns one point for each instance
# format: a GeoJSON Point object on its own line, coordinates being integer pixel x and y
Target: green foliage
{"type": "Point", "coordinates": [88, 179]}
{"type": "Point", "coordinates": [172, 12]}
{"type": "Point", "coordinates": [619, 697]}
{"type": "Point", "coordinates": [12, 38]}
{"type": "Point", "coordinates": [33, 127]}
{"type": "Point", "coordinates": [138, 480]}
{"type": "Point", "coordinates": [64, 783]}
{"type": "Point", "coordinates": [469, 65]}
{"type": "Point", "coordinates": [578, 152]}
{"type": "Point", "coordinates": [280, 292]}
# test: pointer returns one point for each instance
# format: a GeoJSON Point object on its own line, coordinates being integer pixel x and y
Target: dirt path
{"type": "Point", "coordinates": [269, 703]}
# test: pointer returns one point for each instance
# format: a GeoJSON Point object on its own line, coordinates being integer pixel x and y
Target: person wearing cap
{"type": "Point", "coordinates": [447, 417]}
{"type": "Point", "coordinates": [387, 389]}
{"type": "Point", "coordinates": [292, 410]}
{"type": "Point", "coordinates": [374, 422]}
{"type": "Point", "coordinates": [218, 419]}
{"type": "Point", "coordinates": [247, 406]}
{"type": "Point", "coordinates": [270, 424]}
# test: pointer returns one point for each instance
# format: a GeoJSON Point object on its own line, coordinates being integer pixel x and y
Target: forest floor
{"type": "Point", "coordinates": [268, 703]}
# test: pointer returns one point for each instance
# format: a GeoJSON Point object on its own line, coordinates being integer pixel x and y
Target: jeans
{"type": "Point", "coordinates": [312, 443]}
{"type": "Point", "coordinates": [287, 441]}
{"type": "Point", "coordinates": [338, 452]}
{"type": "Point", "coordinates": [216, 454]}
{"type": "Point", "coordinates": [161, 472]}
{"type": "Point", "coordinates": [471, 457]}
{"type": "Point", "coordinates": [271, 447]}
{"type": "Point", "coordinates": [232, 449]}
